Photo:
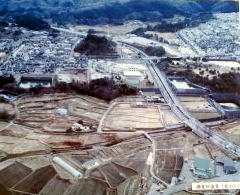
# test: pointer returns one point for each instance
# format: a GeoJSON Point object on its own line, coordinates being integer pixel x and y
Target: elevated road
{"type": "Point", "coordinates": [70, 31]}
{"type": "Point", "coordinates": [197, 127]}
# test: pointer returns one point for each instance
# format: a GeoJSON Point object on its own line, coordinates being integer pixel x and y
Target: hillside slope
{"type": "Point", "coordinates": [109, 11]}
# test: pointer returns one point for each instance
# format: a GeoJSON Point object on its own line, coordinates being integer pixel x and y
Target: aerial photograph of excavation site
{"type": "Point", "coordinates": [119, 97]}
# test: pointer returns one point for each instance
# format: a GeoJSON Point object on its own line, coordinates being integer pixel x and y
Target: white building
{"type": "Point", "coordinates": [133, 77]}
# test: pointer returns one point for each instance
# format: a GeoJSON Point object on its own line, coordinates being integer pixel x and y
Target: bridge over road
{"type": "Point", "coordinates": [197, 127]}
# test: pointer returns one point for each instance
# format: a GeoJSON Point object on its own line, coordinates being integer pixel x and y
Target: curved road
{"type": "Point", "coordinates": [197, 127]}
{"type": "Point", "coordinates": [153, 158]}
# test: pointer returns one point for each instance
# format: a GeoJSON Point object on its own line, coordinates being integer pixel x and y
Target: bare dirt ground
{"type": "Point", "coordinates": [172, 149]}
{"type": "Point", "coordinates": [112, 29]}
{"type": "Point", "coordinates": [126, 117]}
{"type": "Point", "coordinates": [8, 109]}
{"type": "Point", "coordinates": [168, 117]}
{"type": "Point", "coordinates": [3, 124]}
{"type": "Point", "coordinates": [70, 76]}
{"type": "Point", "coordinates": [111, 162]}
{"type": "Point", "coordinates": [185, 142]}
{"type": "Point", "coordinates": [200, 108]}
{"type": "Point", "coordinates": [230, 130]}
{"type": "Point", "coordinates": [44, 113]}
{"type": "Point", "coordinates": [201, 151]}
{"type": "Point", "coordinates": [122, 167]}
{"type": "Point", "coordinates": [41, 127]}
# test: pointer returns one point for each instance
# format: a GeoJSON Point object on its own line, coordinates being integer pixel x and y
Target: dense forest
{"type": "Point", "coordinates": [6, 80]}
{"type": "Point", "coordinates": [164, 26]}
{"type": "Point", "coordinates": [221, 83]}
{"type": "Point", "coordinates": [153, 51]}
{"type": "Point", "coordinates": [6, 116]}
{"type": "Point", "coordinates": [104, 88]}
{"type": "Point", "coordinates": [31, 22]}
{"type": "Point", "coordinates": [94, 12]}
{"type": "Point", "coordinates": [95, 45]}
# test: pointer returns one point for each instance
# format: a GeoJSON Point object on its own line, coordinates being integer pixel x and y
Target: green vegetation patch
{"type": "Point", "coordinates": [221, 83]}
{"type": "Point", "coordinates": [95, 45]}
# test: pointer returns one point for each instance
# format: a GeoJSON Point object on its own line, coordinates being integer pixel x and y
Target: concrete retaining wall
{"type": "Point", "coordinates": [199, 90]}
{"type": "Point", "coordinates": [228, 97]}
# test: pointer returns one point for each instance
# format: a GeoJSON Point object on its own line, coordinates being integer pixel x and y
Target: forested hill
{"type": "Point", "coordinates": [109, 11]}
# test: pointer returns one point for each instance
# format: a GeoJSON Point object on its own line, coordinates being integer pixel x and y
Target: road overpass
{"type": "Point", "coordinates": [197, 127]}
{"type": "Point", "coordinates": [83, 34]}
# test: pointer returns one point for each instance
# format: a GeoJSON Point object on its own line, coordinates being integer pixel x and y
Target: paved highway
{"type": "Point", "coordinates": [83, 34]}
{"type": "Point", "coordinates": [72, 50]}
{"type": "Point", "coordinates": [197, 127]}
{"type": "Point", "coordinates": [17, 50]}
{"type": "Point", "coordinates": [169, 96]}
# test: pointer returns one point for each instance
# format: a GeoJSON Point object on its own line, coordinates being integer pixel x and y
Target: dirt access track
{"type": "Point", "coordinates": [127, 117]}
{"type": "Point", "coordinates": [58, 112]}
